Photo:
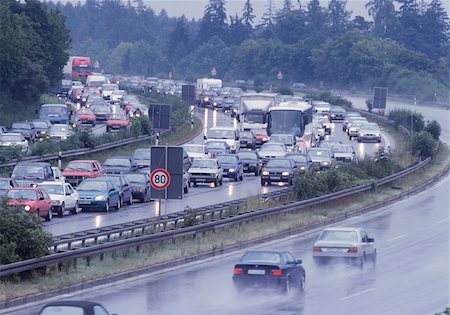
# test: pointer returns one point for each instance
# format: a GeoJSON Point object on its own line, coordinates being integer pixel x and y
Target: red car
{"type": "Point", "coordinates": [78, 170]}
{"type": "Point", "coordinates": [76, 94]}
{"type": "Point", "coordinates": [34, 200]}
{"type": "Point", "coordinates": [117, 121]}
{"type": "Point", "coordinates": [86, 116]}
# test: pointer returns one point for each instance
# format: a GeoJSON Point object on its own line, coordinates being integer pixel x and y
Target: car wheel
{"type": "Point", "coordinates": [236, 178]}
{"type": "Point", "coordinates": [216, 182]}
{"type": "Point", "coordinates": [302, 284]}
{"type": "Point", "coordinates": [76, 209]}
{"type": "Point", "coordinates": [291, 182]}
{"type": "Point", "coordinates": [62, 210]}
{"type": "Point", "coordinates": [359, 140]}
{"type": "Point", "coordinates": [130, 201]}
{"type": "Point", "coordinates": [263, 183]}
{"type": "Point", "coordinates": [221, 181]}
{"type": "Point", "coordinates": [241, 177]}
{"type": "Point", "coordinates": [49, 216]}
{"type": "Point", "coordinates": [195, 184]}
{"type": "Point", "coordinates": [107, 206]}
{"type": "Point", "coordinates": [121, 201]}
{"type": "Point", "coordinates": [286, 288]}
{"type": "Point", "coordinates": [186, 189]}
{"type": "Point", "coordinates": [119, 204]}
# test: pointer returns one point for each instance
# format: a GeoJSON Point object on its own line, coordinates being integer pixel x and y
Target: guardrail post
{"type": "Point", "coordinates": [102, 256]}
{"type": "Point", "coordinates": [75, 261]}
{"type": "Point", "coordinates": [88, 261]}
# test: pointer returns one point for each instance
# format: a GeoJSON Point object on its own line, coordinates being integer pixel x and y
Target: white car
{"type": "Point", "coordinates": [206, 171]}
{"type": "Point", "coordinates": [64, 197]}
{"type": "Point", "coordinates": [60, 132]}
{"type": "Point", "coordinates": [272, 150]}
{"type": "Point", "coordinates": [344, 243]}
{"type": "Point", "coordinates": [322, 108]}
{"type": "Point", "coordinates": [228, 134]}
{"type": "Point", "coordinates": [369, 132]}
{"type": "Point", "coordinates": [116, 96]}
{"type": "Point", "coordinates": [13, 139]}
{"type": "Point", "coordinates": [196, 151]}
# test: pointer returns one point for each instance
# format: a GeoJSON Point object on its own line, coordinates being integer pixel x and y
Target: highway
{"type": "Point", "coordinates": [203, 195]}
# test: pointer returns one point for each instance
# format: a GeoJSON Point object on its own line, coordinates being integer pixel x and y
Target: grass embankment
{"type": "Point", "coordinates": [148, 255]}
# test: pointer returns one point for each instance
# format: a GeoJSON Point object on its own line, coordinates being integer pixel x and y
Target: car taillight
{"type": "Point", "coordinates": [317, 249]}
{"type": "Point", "coordinates": [238, 271]}
{"type": "Point", "coordinates": [352, 250]}
{"type": "Point", "coordinates": [276, 272]}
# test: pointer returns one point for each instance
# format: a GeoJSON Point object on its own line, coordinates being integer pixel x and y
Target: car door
{"type": "Point", "coordinates": [126, 188]}
{"type": "Point", "coordinates": [290, 267]}
{"type": "Point", "coordinates": [368, 246]}
{"type": "Point", "coordinates": [46, 202]}
{"type": "Point", "coordinates": [70, 196]}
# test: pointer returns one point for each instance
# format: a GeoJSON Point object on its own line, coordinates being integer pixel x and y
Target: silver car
{"type": "Point", "coordinates": [272, 150]}
{"type": "Point", "coordinates": [321, 157]}
{"type": "Point", "coordinates": [60, 132]}
{"type": "Point", "coordinates": [344, 243]}
{"type": "Point", "coordinates": [343, 153]}
{"type": "Point", "coordinates": [369, 132]}
{"type": "Point", "coordinates": [206, 171]}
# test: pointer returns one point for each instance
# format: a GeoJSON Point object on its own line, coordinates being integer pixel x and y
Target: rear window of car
{"type": "Point", "coordinates": [336, 235]}
{"type": "Point", "coordinates": [62, 310]}
{"type": "Point", "coordinates": [268, 257]}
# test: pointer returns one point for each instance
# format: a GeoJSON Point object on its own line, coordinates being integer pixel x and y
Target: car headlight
{"type": "Point", "coordinates": [100, 198]}
{"type": "Point", "coordinates": [78, 97]}
{"type": "Point", "coordinates": [83, 100]}
{"type": "Point", "coordinates": [325, 163]}
{"type": "Point", "coordinates": [234, 110]}
{"type": "Point", "coordinates": [264, 139]}
{"type": "Point", "coordinates": [142, 189]}
{"type": "Point", "coordinates": [302, 168]}
{"type": "Point", "coordinates": [64, 137]}
{"type": "Point", "coordinates": [206, 99]}
{"type": "Point", "coordinates": [377, 135]}
{"type": "Point", "coordinates": [42, 132]}
{"type": "Point", "coordinates": [27, 208]}
{"type": "Point", "coordinates": [231, 170]}
{"type": "Point", "coordinates": [333, 115]}
{"type": "Point", "coordinates": [215, 104]}
{"type": "Point", "coordinates": [265, 173]}
{"type": "Point", "coordinates": [285, 173]}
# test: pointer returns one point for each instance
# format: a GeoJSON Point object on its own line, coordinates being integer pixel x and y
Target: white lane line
{"type": "Point", "coordinates": [443, 220]}
{"type": "Point", "coordinates": [396, 238]}
{"type": "Point", "coordinates": [357, 294]}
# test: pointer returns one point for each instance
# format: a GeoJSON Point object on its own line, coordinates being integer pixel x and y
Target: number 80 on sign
{"type": "Point", "coordinates": [160, 179]}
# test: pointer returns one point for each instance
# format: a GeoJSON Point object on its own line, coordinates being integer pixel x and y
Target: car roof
{"type": "Point", "coordinates": [12, 133]}
{"type": "Point", "coordinates": [25, 188]}
{"type": "Point", "coordinates": [222, 128]}
{"type": "Point", "coordinates": [342, 228]}
{"type": "Point", "coordinates": [72, 303]}
{"type": "Point", "coordinates": [52, 183]}
{"type": "Point", "coordinates": [34, 163]}
{"type": "Point", "coordinates": [84, 161]}
{"type": "Point", "coordinates": [118, 157]}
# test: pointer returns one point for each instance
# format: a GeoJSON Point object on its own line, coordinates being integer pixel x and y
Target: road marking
{"type": "Point", "coordinates": [396, 238]}
{"type": "Point", "coordinates": [357, 294]}
{"type": "Point", "coordinates": [443, 220]}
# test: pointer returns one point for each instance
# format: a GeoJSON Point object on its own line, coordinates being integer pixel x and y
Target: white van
{"type": "Point", "coordinates": [96, 80]}
{"type": "Point", "coordinates": [229, 134]}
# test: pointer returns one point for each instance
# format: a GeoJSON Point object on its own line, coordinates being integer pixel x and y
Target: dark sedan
{"type": "Point", "coordinates": [140, 185]}
{"type": "Point", "coordinates": [122, 184]}
{"type": "Point", "coordinates": [231, 165]}
{"type": "Point", "coordinates": [250, 161]}
{"type": "Point", "coordinates": [301, 160]}
{"type": "Point", "coordinates": [269, 269]}
{"type": "Point", "coordinates": [215, 147]}
{"type": "Point", "coordinates": [279, 170]}
{"type": "Point", "coordinates": [337, 113]}
{"type": "Point", "coordinates": [26, 129]}
{"type": "Point", "coordinates": [42, 127]}
{"type": "Point", "coordinates": [247, 139]}
{"type": "Point", "coordinates": [141, 157]}
{"type": "Point", "coordinates": [118, 165]}
{"type": "Point", "coordinates": [73, 307]}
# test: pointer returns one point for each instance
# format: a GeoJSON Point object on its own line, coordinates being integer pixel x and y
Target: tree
{"type": "Point", "coordinates": [178, 42]}
{"type": "Point", "coordinates": [423, 144]}
{"type": "Point", "coordinates": [267, 20]}
{"type": "Point", "coordinates": [435, 31]}
{"type": "Point", "coordinates": [214, 21]}
{"type": "Point", "coordinates": [248, 17]}
{"type": "Point", "coordinates": [237, 31]}
{"type": "Point", "coordinates": [383, 14]}
{"type": "Point", "coordinates": [338, 17]}
{"type": "Point", "coordinates": [316, 19]}
{"type": "Point", "coordinates": [361, 25]}
{"type": "Point", "coordinates": [434, 128]}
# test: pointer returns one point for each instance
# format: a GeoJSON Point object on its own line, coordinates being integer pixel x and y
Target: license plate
{"type": "Point", "coordinates": [275, 177]}
{"type": "Point", "coordinates": [256, 272]}
{"type": "Point", "coordinates": [335, 250]}
{"type": "Point", "coordinates": [84, 202]}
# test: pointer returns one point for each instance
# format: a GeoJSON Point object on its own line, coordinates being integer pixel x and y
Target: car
{"type": "Point", "coordinates": [250, 161]}
{"type": "Point", "coordinates": [247, 140]}
{"type": "Point", "coordinates": [349, 116]}
{"type": "Point", "coordinates": [206, 171]}
{"type": "Point", "coordinates": [319, 129]}
{"type": "Point", "coordinates": [107, 89]}
{"type": "Point", "coordinates": [118, 165]}
{"type": "Point", "coordinates": [269, 269]}
{"type": "Point", "coordinates": [86, 116]}
{"type": "Point", "coordinates": [196, 151]}
{"type": "Point", "coordinates": [287, 139]}
{"type": "Point", "coordinates": [98, 194]}
{"type": "Point", "coordinates": [140, 185]}
{"type": "Point", "coordinates": [60, 132]}
{"type": "Point", "coordinates": [102, 112]}
{"type": "Point", "coordinates": [321, 157]}
{"type": "Point", "coordinates": [206, 98]}
{"type": "Point", "coordinates": [6, 184]}
{"type": "Point", "coordinates": [301, 160]}
{"type": "Point", "coordinates": [349, 243]}
{"type": "Point", "coordinates": [14, 140]}
{"type": "Point", "coordinates": [34, 200]}
{"type": "Point", "coordinates": [3, 129]}
{"type": "Point", "coordinates": [325, 123]}
{"type": "Point", "coordinates": [227, 104]}
{"type": "Point", "coordinates": [28, 173]}
{"type": "Point", "coordinates": [42, 127]}
{"type": "Point", "coordinates": [218, 102]}
{"type": "Point", "coordinates": [343, 153]}
{"type": "Point", "coordinates": [117, 122]}
{"type": "Point", "coordinates": [122, 184]}
{"type": "Point", "coordinates": [322, 108]}
{"type": "Point", "coordinates": [353, 130]}
{"type": "Point", "coordinates": [141, 157]}
{"type": "Point", "coordinates": [353, 120]}
{"type": "Point", "coordinates": [271, 150]}
{"type": "Point", "coordinates": [231, 165]}
{"type": "Point", "coordinates": [26, 129]}
{"type": "Point", "coordinates": [369, 132]}
{"type": "Point", "coordinates": [64, 197]}
{"type": "Point", "coordinates": [78, 170]}
{"type": "Point", "coordinates": [337, 113]}
{"type": "Point", "coordinates": [227, 134]}
{"type": "Point", "coordinates": [116, 96]}
{"type": "Point", "coordinates": [75, 95]}
{"type": "Point", "coordinates": [73, 308]}
{"type": "Point", "coordinates": [56, 113]}
{"type": "Point", "coordinates": [215, 147]}
{"type": "Point", "coordinates": [278, 170]}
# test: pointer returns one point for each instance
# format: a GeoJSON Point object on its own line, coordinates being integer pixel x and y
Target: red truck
{"type": "Point", "coordinates": [81, 68]}
{"type": "Point", "coordinates": [78, 170]}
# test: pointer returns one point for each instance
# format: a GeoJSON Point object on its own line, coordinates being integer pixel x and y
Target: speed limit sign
{"type": "Point", "coordinates": [160, 179]}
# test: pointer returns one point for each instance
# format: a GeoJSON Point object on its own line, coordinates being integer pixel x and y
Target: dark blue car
{"type": "Point", "coordinates": [232, 166]}
{"type": "Point", "coordinates": [98, 194]}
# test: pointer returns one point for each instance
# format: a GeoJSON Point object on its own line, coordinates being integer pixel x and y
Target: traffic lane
{"type": "Point", "coordinates": [410, 275]}
{"type": "Point", "coordinates": [430, 113]}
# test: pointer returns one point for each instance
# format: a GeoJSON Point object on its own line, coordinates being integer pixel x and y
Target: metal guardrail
{"type": "Point", "coordinates": [113, 238]}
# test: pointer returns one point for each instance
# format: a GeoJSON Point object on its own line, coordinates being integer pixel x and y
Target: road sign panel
{"type": "Point", "coordinates": [169, 159]}
{"type": "Point", "coordinates": [213, 71]}
{"type": "Point", "coordinates": [280, 75]}
{"type": "Point", "coordinates": [160, 179]}
{"type": "Point", "coordinates": [159, 115]}
{"type": "Point", "coordinates": [379, 97]}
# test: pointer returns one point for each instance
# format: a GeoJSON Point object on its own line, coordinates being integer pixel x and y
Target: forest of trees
{"type": "Point", "coordinates": [34, 46]}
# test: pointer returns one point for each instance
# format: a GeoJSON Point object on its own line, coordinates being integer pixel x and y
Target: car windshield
{"type": "Point", "coordinates": [78, 166]}
{"type": "Point", "coordinates": [118, 117]}
{"type": "Point", "coordinates": [246, 134]}
{"type": "Point", "coordinates": [267, 257]}
{"type": "Point", "coordinates": [143, 154]}
{"type": "Point", "coordinates": [53, 189]}
{"type": "Point", "coordinates": [109, 87]}
{"type": "Point", "coordinates": [298, 158]}
{"type": "Point", "coordinates": [226, 159]}
{"type": "Point", "coordinates": [215, 145]}
{"type": "Point", "coordinates": [53, 110]}
{"type": "Point", "coordinates": [28, 171]}
{"type": "Point", "coordinates": [204, 164]}
{"type": "Point", "coordinates": [370, 127]}
{"type": "Point", "coordinates": [254, 118]}
{"type": "Point", "coordinates": [21, 126]}
{"type": "Point", "coordinates": [319, 153]}
{"type": "Point", "coordinates": [59, 128]}
{"type": "Point", "coordinates": [62, 310]}
{"type": "Point", "coordinates": [85, 112]}
{"type": "Point", "coordinates": [248, 155]}
{"type": "Point", "coordinates": [343, 149]}
{"type": "Point", "coordinates": [272, 147]}
{"type": "Point", "coordinates": [9, 138]}
{"type": "Point", "coordinates": [338, 110]}
{"type": "Point", "coordinates": [220, 134]}
{"type": "Point", "coordinates": [92, 185]}
{"type": "Point", "coordinates": [117, 162]}
{"type": "Point", "coordinates": [136, 178]}
{"type": "Point", "coordinates": [101, 109]}
{"type": "Point", "coordinates": [4, 184]}
{"type": "Point", "coordinates": [193, 148]}
{"type": "Point", "coordinates": [40, 124]}
{"type": "Point", "coordinates": [278, 164]}
{"type": "Point", "coordinates": [286, 139]}
{"type": "Point", "coordinates": [340, 236]}
{"type": "Point", "coordinates": [19, 194]}
{"type": "Point", "coordinates": [114, 179]}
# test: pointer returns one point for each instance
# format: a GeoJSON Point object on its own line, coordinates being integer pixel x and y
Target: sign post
{"type": "Point", "coordinates": [160, 179]}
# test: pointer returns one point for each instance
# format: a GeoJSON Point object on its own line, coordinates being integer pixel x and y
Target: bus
{"type": "Point", "coordinates": [293, 117]}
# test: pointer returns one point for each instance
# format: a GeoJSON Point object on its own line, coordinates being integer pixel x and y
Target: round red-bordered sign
{"type": "Point", "coordinates": [160, 179]}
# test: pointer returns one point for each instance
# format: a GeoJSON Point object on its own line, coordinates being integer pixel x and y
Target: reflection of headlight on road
{"type": "Point", "coordinates": [27, 208]}
{"type": "Point", "coordinates": [231, 170]}
{"type": "Point", "coordinates": [100, 198]}
{"type": "Point", "coordinates": [285, 173]}
{"type": "Point", "coordinates": [265, 173]}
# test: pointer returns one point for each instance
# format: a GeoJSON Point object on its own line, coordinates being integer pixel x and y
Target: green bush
{"type": "Point", "coordinates": [434, 128]}
{"type": "Point", "coordinates": [284, 90]}
{"type": "Point", "coordinates": [423, 144]}
{"type": "Point", "coordinates": [10, 153]}
{"type": "Point", "coordinates": [43, 147]}
{"type": "Point", "coordinates": [326, 96]}
{"type": "Point", "coordinates": [406, 117]}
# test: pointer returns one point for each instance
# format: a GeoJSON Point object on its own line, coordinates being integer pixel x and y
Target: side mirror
{"type": "Point", "coordinates": [67, 193]}
{"type": "Point", "coordinates": [37, 112]}
{"type": "Point", "coordinates": [370, 240]}
{"type": "Point", "coordinates": [41, 198]}
{"type": "Point", "coordinates": [298, 262]}
{"type": "Point", "coordinates": [204, 137]}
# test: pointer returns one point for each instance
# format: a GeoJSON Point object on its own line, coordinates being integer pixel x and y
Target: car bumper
{"type": "Point", "coordinates": [275, 178]}
{"type": "Point", "coordinates": [258, 281]}
{"type": "Point", "coordinates": [250, 168]}
{"type": "Point", "coordinates": [369, 138]}
{"type": "Point", "coordinates": [137, 194]}
{"type": "Point", "coordinates": [203, 179]}
{"type": "Point", "coordinates": [91, 204]}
